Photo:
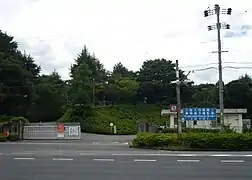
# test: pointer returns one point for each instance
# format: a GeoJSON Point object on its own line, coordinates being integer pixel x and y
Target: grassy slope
{"type": "Point", "coordinates": [124, 117]}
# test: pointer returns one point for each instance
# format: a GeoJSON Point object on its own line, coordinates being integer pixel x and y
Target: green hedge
{"type": "Point", "coordinates": [13, 137]}
{"type": "Point", "coordinates": [21, 119]}
{"type": "Point", "coordinates": [193, 130]}
{"type": "Point", "coordinates": [195, 141]}
{"type": "Point", "coordinates": [3, 138]}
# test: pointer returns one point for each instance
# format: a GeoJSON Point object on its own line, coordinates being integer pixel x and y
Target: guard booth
{"type": "Point", "coordinates": [13, 127]}
{"type": "Point", "coordinates": [146, 127]}
{"type": "Point", "coordinates": [46, 131]}
{"type": "Point", "coordinates": [232, 117]}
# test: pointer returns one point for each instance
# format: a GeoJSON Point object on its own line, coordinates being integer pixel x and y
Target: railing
{"type": "Point", "coordinates": [51, 131]}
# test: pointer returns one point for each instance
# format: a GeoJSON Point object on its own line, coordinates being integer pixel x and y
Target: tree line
{"type": "Point", "coordinates": [25, 92]}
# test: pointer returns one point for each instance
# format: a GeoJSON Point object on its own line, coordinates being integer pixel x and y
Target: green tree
{"type": "Point", "coordinates": [15, 85]}
{"type": "Point", "coordinates": [239, 94]}
{"type": "Point", "coordinates": [49, 98]}
{"type": "Point", "coordinates": [121, 70]}
{"type": "Point", "coordinates": [155, 77]}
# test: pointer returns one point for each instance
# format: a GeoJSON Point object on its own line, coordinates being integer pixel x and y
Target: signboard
{"type": "Point", "coordinates": [173, 108]}
{"type": "Point", "coordinates": [197, 114]}
{"type": "Point", "coordinates": [60, 130]}
{"type": "Point", "coordinates": [73, 130]}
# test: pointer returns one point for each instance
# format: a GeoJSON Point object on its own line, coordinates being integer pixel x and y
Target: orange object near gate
{"type": "Point", "coordinates": [6, 134]}
{"type": "Point", "coordinates": [60, 128]}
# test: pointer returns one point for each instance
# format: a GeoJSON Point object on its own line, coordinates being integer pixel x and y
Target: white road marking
{"type": "Point", "coordinates": [23, 158]}
{"type": "Point", "coordinates": [187, 155]}
{"type": "Point", "coordinates": [129, 154]}
{"type": "Point", "coordinates": [84, 154]}
{"type": "Point", "coordinates": [62, 159]}
{"type": "Point", "coordinates": [232, 161]}
{"type": "Point", "coordinates": [221, 155]}
{"type": "Point", "coordinates": [145, 160]}
{"type": "Point", "coordinates": [22, 153]}
{"type": "Point", "coordinates": [248, 155]}
{"type": "Point", "coordinates": [109, 160]}
{"type": "Point", "coordinates": [188, 160]}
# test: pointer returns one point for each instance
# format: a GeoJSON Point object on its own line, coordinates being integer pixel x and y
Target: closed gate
{"type": "Point", "coordinates": [52, 131]}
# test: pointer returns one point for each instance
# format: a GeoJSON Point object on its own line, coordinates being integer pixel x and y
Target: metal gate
{"type": "Point", "coordinates": [52, 131]}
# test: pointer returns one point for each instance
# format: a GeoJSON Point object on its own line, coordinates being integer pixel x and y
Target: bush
{"type": "Point", "coordinates": [193, 130]}
{"type": "Point", "coordinates": [195, 141]}
{"type": "Point", "coordinates": [17, 119]}
{"type": "Point", "coordinates": [13, 137]}
{"type": "Point", "coordinates": [5, 119]}
{"type": "Point", "coordinates": [3, 138]}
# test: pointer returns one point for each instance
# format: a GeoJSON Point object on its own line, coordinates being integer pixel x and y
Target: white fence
{"type": "Point", "coordinates": [52, 131]}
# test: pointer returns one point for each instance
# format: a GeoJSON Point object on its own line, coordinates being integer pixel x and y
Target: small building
{"type": "Point", "coordinates": [232, 117]}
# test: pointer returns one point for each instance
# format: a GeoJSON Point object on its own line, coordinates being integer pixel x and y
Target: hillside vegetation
{"type": "Point", "coordinates": [123, 117]}
{"type": "Point", "coordinates": [26, 92]}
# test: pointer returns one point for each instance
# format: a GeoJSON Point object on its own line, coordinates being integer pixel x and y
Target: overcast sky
{"type": "Point", "coordinates": [131, 31]}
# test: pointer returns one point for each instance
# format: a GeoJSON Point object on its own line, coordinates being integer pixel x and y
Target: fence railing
{"type": "Point", "coordinates": [51, 131]}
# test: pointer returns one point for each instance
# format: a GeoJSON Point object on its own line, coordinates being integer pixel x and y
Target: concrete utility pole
{"type": "Point", "coordinates": [179, 122]}
{"type": "Point", "coordinates": [178, 82]}
{"type": "Point", "coordinates": [93, 92]}
{"type": "Point", "coordinates": [219, 26]}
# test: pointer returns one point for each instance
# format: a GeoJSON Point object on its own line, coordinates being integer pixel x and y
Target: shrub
{"type": "Point", "coordinates": [5, 119]}
{"type": "Point", "coordinates": [3, 138]}
{"type": "Point", "coordinates": [193, 130]}
{"type": "Point", "coordinates": [195, 141]}
{"type": "Point", "coordinates": [13, 137]}
{"type": "Point", "coordinates": [17, 119]}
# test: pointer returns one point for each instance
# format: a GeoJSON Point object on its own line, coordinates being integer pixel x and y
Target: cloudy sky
{"type": "Point", "coordinates": [131, 31]}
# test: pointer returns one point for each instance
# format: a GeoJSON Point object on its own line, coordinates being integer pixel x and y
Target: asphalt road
{"type": "Point", "coordinates": [125, 168]}
{"type": "Point", "coordinates": [108, 157]}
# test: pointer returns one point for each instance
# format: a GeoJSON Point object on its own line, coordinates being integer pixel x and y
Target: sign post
{"type": "Point", "coordinates": [111, 126]}
{"type": "Point", "coordinates": [199, 114]}
{"type": "Point", "coordinates": [74, 130]}
{"type": "Point", "coordinates": [173, 108]}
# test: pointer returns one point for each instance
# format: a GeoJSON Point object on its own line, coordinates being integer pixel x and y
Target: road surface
{"type": "Point", "coordinates": [123, 167]}
{"type": "Point", "coordinates": [102, 158]}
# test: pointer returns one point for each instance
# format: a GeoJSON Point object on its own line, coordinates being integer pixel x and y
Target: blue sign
{"type": "Point", "coordinates": [197, 114]}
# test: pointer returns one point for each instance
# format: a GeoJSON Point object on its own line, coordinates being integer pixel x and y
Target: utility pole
{"type": "Point", "coordinates": [179, 123]}
{"type": "Point", "coordinates": [93, 92]}
{"type": "Point", "coordinates": [219, 26]}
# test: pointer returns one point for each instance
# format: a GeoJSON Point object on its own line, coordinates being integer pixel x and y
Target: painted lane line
{"type": "Point", "coordinates": [145, 160]}
{"type": "Point", "coordinates": [88, 154]}
{"type": "Point", "coordinates": [136, 154]}
{"type": "Point", "coordinates": [129, 154]}
{"type": "Point", "coordinates": [23, 158]}
{"type": "Point", "coordinates": [62, 159]}
{"type": "Point", "coordinates": [232, 161]}
{"type": "Point", "coordinates": [108, 160]}
{"type": "Point", "coordinates": [187, 155]}
{"type": "Point", "coordinates": [188, 160]}
{"type": "Point", "coordinates": [248, 155]}
{"type": "Point", "coordinates": [221, 155]}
